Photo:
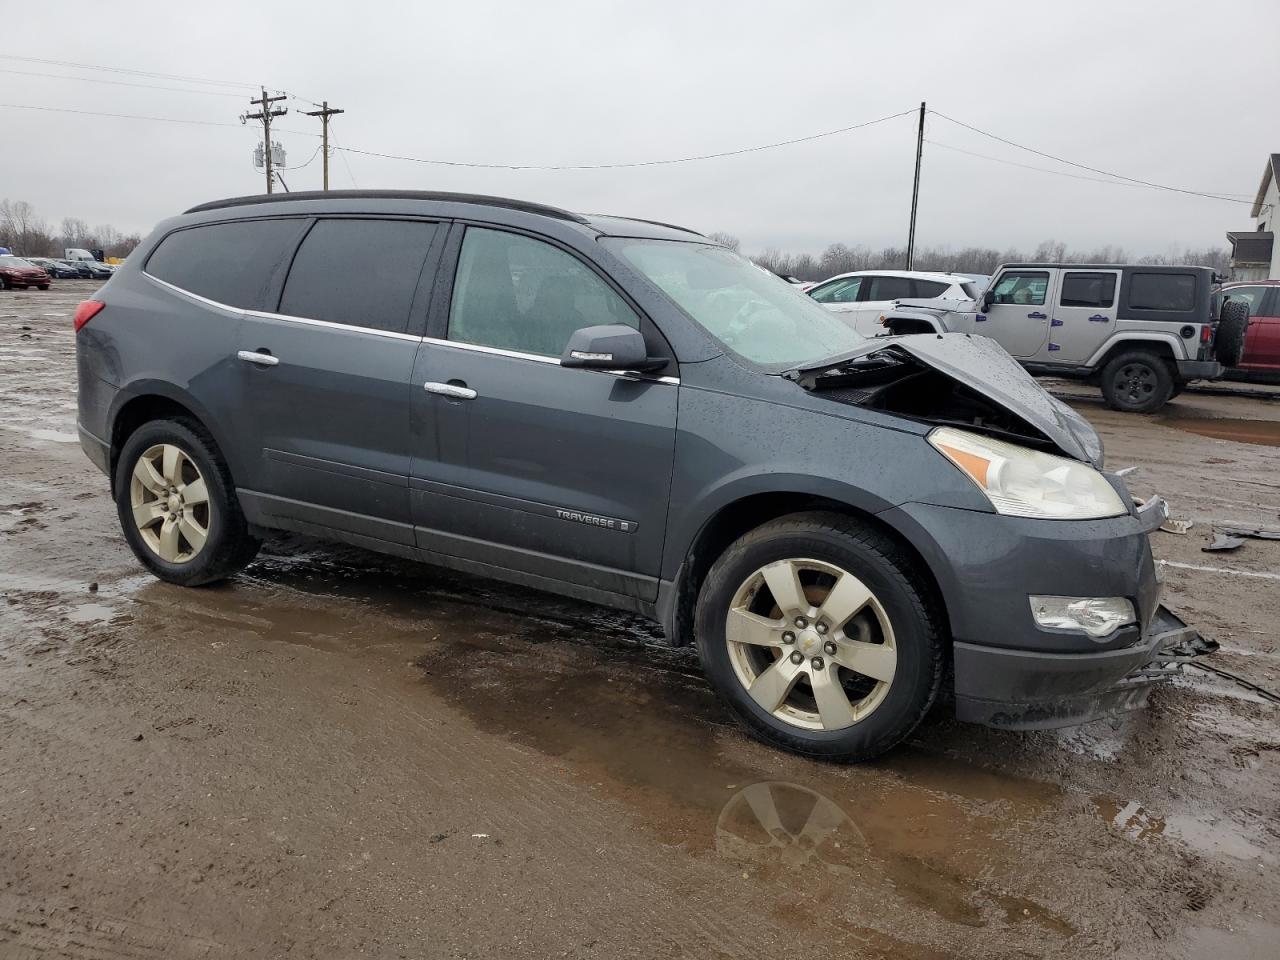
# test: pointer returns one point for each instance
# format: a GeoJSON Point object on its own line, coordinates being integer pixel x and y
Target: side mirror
{"type": "Point", "coordinates": [608, 347]}
{"type": "Point", "coordinates": [988, 298]}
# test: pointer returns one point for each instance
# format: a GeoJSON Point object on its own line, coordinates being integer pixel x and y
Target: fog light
{"type": "Point", "coordinates": [1096, 616]}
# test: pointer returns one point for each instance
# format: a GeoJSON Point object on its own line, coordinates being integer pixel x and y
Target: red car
{"type": "Point", "coordinates": [1262, 342]}
{"type": "Point", "coordinates": [16, 272]}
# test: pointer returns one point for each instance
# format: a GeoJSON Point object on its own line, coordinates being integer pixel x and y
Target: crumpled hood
{"type": "Point", "coordinates": [985, 367]}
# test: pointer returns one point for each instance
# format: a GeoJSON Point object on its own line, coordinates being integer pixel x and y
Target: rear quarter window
{"type": "Point", "coordinates": [237, 263]}
{"type": "Point", "coordinates": [1162, 291]}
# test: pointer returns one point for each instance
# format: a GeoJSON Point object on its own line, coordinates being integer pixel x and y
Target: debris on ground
{"type": "Point", "coordinates": [1223, 541]}
{"type": "Point", "coordinates": [1252, 534]}
{"type": "Point", "coordinates": [1176, 526]}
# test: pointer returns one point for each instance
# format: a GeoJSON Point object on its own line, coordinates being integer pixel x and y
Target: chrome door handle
{"type": "Point", "coordinates": [262, 359]}
{"type": "Point", "coordinates": [451, 390]}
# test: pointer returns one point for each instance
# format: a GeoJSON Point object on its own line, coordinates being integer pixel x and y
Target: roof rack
{"type": "Point", "coordinates": [524, 206]}
{"type": "Point", "coordinates": [652, 223]}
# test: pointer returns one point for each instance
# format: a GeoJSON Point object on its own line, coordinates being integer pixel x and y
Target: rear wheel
{"type": "Point", "coordinates": [177, 505]}
{"type": "Point", "coordinates": [44, 286]}
{"type": "Point", "coordinates": [1137, 382]}
{"type": "Point", "coordinates": [814, 630]}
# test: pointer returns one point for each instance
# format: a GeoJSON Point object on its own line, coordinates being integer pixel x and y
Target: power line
{"type": "Point", "coordinates": [119, 116]}
{"type": "Point", "coordinates": [121, 83]}
{"type": "Point", "coordinates": [637, 163]}
{"type": "Point", "coordinates": [1027, 166]}
{"type": "Point", "coordinates": [1082, 166]}
{"type": "Point", "coordinates": [125, 70]}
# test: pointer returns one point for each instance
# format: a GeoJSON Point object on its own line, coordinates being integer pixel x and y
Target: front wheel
{"type": "Point", "coordinates": [1137, 382]}
{"type": "Point", "coordinates": [816, 632]}
{"type": "Point", "coordinates": [178, 507]}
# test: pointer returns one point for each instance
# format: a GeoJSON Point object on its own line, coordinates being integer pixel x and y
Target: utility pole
{"type": "Point", "coordinates": [915, 191]}
{"type": "Point", "coordinates": [265, 115]}
{"type": "Point", "coordinates": [324, 113]}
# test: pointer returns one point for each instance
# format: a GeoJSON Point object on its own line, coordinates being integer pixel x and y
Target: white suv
{"type": "Point", "coordinates": [863, 296]}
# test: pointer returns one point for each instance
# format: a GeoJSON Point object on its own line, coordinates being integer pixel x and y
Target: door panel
{"type": "Point", "coordinates": [546, 469]}
{"type": "Point", "coordinates": [1019, 318]}
{"type": "Point", "coordinates": [1084, 315]}
{"type": "Point", "coordinates": [329, 423]}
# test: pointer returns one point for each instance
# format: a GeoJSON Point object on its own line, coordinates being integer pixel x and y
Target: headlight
{"type": "Point", "coordinates": [1026, 483]}
{"type": "Point", "coordinates": [1097, 616]}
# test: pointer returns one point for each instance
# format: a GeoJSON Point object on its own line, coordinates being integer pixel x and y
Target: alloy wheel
{"type": "Point", "coordinates": [811, 644]}
{"type": "Point", "coordinates": [1136, 382]}
{"type": "Point", "coordinates": [170, 503]}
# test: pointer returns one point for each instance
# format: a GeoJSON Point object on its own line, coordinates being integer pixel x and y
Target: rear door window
{"type": "Point", "coordinates": [237, 264]}
{"type": "Point", "coordinates": [890, 288]}
{"type": "Point", "coordinates": [1022, 287]}
{"type": "Point", "coordinates": [361, 273]}
{"type": "Point", "coordinates": [1083, 289]}
{"type": "Point", "coordinates": [1162, 291]}
{"type": "Point", "coordinates": [516, 293]}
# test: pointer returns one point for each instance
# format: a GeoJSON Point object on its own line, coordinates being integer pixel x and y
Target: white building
{"type": "Point", "coordinates": [1255, 255]}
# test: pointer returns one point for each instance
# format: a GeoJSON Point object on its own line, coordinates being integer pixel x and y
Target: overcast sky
{"type": "Point", "coordinates": [1175, 93]}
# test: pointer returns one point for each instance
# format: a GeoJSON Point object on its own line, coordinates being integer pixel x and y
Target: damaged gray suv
{"type": "Point", "coordinates": [627, 413]}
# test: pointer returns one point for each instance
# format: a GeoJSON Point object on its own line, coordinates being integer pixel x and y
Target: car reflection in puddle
{"type": "Point", "coordinates": [775, 822]}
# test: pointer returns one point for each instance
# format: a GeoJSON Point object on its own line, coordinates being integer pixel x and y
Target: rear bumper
{"type": "Point", "coordinates": [96, 449]}
{"type": "Point", "coordinates": [1200, 369]}
{"type": "Point", "coordinates": [1028, 690]}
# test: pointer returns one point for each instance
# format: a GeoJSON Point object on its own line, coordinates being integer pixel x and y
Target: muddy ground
{"type": "Point", "coordinates": [339, 754]}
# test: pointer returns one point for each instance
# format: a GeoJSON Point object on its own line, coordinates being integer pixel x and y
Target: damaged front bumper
{"type": "Point", "coordinates": [1044, 690]}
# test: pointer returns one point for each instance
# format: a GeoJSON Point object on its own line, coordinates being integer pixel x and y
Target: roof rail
{"type": "Point", "coordinates": [652, 223]}
{"type": "Point", "coordinates": [524, 206]}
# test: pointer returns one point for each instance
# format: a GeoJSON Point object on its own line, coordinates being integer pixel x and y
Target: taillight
{"type": "Point", "coordinates": [87, 310]}
{"type": "Point", "coordinates": [1206, 333]}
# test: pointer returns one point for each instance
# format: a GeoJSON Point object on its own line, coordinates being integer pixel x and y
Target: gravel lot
{"type": "Point", "coordinates": [339, 754]}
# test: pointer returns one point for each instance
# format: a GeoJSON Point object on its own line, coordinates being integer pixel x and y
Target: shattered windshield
{"type": "Point", "coordinates": [752, 312]}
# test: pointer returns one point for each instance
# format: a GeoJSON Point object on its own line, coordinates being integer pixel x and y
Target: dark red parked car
{"type": "Point", "coordinates": [16, 272]}
{"type": "Point", "coordinates": [1262, 342]}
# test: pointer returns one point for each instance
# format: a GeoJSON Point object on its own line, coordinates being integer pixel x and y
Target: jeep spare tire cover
{"type": "Point", "coordinates": [1233, 325]}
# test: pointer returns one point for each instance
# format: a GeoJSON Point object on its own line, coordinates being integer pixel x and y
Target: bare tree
{"type": "Point", "coordinates": [726, 239]}
{"type": "Point", "coordinates": [74, 232]}
{"type": "Point", "coordinates": [841, 258]}
{"type": "Point", "coordinates": [21, 230]}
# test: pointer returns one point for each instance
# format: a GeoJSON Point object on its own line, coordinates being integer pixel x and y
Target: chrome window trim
{"type": "Point", "coordinates": [267, 315]}
{"type": "Point", "coordinates": [540, 358]}
{"type": "Point", "coordinates": [392, 335]}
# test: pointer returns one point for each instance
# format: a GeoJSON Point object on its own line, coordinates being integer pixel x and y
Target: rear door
{"type": "Point", "coordinates": [1084, 314]}
{"type": "Point", "coordinates": [1262, 343]}
{"type": "Point", "coordinates": [520, 463]}
{"type": "Point", "coordinates": [879, 293]}
{"type": "Point", "coordinates": [1018, 318]}
{"type": "Point", "coordinates": [325, 377]}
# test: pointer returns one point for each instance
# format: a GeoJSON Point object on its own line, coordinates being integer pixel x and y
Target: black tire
{"type": "Point", "coordinates": [229, 545]}
{"type": "Point", "coordinates": [4, 284]}
{"type": "Point", "coordinates": [891, 576]}
{"type": "Point", "coordinates": [1233, 327]}
{"type": "Point", "coordinates": [1138, 381]}
{"type": "Point", "coordinates": [43, 286]}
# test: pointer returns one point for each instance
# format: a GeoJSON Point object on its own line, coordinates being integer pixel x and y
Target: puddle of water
{"type": "Point", "coordinates": [1263, 432]}
{"type": "Point", "coordinates": [91, 613]}
{"type": "Point", "coordinates": [1255, 939]}
{"type": "Point", "coordinates": [1200, 834]}
{"type": "Point", "coordinates": [56, 436]}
